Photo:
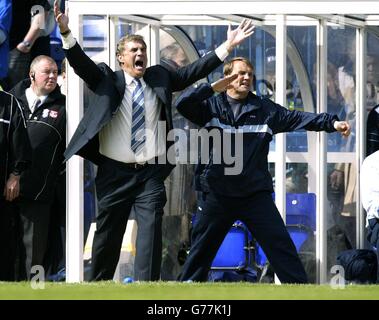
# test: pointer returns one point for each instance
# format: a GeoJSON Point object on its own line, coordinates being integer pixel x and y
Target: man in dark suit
{"type": "Point", "coordinates": [120, 132]}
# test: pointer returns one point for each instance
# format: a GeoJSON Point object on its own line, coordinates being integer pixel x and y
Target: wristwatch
{"type": "Point", "coordinates": [26, 44]}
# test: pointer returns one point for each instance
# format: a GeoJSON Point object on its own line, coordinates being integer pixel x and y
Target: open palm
{"type": "Point", "coordinates": [244, 30]}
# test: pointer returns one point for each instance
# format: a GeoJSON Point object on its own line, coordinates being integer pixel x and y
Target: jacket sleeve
{"type": "Point", "coordinates": [19, 140]}
{"type": "Point", "coordinates": [83, 66]}
{"type": "Point", "coordinates": [185, 76]}
{"type": "Point", "coordinates": [373, 130]}
{"type": "Point", "coordinates": [284, 120]}
{"type": "Point", "coordinates": [193, 104]}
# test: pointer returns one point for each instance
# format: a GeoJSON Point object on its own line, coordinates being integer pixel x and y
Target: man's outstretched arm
{"type": "Point", "coordinates": [343, 127]}
{"type": "Point", "coordinates": [237, 36]}
{"type": "Point", "coordinates": [199, 69]}
{"type": "Point", "coordinates": [83, 66]}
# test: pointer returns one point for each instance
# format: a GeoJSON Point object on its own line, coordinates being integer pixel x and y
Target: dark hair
{"type": "Point", "coordinates": [228, 65]}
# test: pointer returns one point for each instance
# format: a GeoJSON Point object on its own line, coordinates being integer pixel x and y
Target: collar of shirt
{"type": "Point", "coordinates": [130, 84]}
{"type": "Point", "coordinates": [31, 97]}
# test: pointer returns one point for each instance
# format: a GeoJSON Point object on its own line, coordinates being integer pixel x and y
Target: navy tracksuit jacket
{"type": "Point", "coordinates": [245, 196]}
{"type": "Point", "coordinates": [259, 120]}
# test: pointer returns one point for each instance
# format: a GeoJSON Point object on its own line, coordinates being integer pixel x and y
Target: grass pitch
{"type": "Point", "coordinates": [109, 290]}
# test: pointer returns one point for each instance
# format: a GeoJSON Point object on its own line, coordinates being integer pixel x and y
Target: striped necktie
{"type": "Point", "coordinates": [35, 105]}
{"type": "Point", "coordinates": [138, 118]}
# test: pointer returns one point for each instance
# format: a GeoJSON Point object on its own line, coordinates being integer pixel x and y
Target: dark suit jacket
{"type": "Point", "coordinates": [109, 87]}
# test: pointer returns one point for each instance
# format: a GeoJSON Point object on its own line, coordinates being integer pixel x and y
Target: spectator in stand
{"type": "Point", "coordinates": [173, 56]}
{"type": "Point", "coordinates": [28, 37]}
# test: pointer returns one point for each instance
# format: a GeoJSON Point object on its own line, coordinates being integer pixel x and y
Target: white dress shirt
{"type": "Point", "coordinates": [115, 137]}
{"type": "Point", "coordinates": [32, 97]}
{"type": "Point", "coordinates": [370, 186]}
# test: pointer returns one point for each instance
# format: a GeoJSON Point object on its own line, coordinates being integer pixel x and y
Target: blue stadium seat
{"type": "Point", "coordinates": [301, 209]}
{"type": "Point", "coordinates": [234, 250]}
{"type": "Point", "coordinates": [260, 257]}
{"type": "Point", "coordinates": [299, 234]}
{"type": "Point", "coordinates": [300, 221]}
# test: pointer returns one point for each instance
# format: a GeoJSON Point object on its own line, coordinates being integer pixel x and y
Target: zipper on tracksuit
{"type": "Point", "coordinates": [52, 158]}
{"type": "Point", "coordinates": [227, 117]}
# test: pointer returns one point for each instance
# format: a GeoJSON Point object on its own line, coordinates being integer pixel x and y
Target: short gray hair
{"type": "Point", "coordinates": [38, 59]}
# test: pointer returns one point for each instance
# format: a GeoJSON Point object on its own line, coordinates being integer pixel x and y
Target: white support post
{"type": "Point", "coordinates": [74, 180]}
{"type": "Point", "coordinates": [154, 45]}
{"type": "Point", "coordinates": [281, 78]}
{"type": "Point", "coordinates": [112, 41]}
{"type": "Point", "coordinates": [280, 94]}
{"type": "Point", "coordinates": [321, 182]}
{"type": "Point", "coordinates": [361, 76]}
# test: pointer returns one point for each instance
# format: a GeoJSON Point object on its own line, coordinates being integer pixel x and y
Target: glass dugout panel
{"type": "Point", "coordinates": [301, 145]}
{"type": "Point", "coordinates": [95, 45]}
{"type": "Point", "coordinates": [178, 209]}
{"type": "Point", "coordinates": [341, 163]}
{"type": "Point", "coordinates": [372, 71]}
{"type": "Point", "coordinates": [261, 50]}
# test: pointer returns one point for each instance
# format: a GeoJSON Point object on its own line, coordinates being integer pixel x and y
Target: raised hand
{"type": "Point", "coordinates": [61, 18]}
{"type": "Point", "coordinates": [238, 35]}
{"type": "Point", "coordinates": [223, 83]}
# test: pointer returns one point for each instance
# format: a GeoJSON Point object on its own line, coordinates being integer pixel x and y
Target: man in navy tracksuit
{"type": "Point", "coordinates": [44, 108]}
{"type": "Point", "coordinates": [245, 196]}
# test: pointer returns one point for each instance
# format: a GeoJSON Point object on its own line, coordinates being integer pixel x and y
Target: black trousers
{"type": "Point", "coordinates": [373, 238]}
{"type": "Point", "coordinates": [55, 257]}
{"type": "Point", "coordinates": [34, 231]}
{"type": "Point", "coordinates": [120, 189]}
{"type": "Point", "coordinates": [215, 216]}
{"type": "Point", "coordinates": [8, 240]}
